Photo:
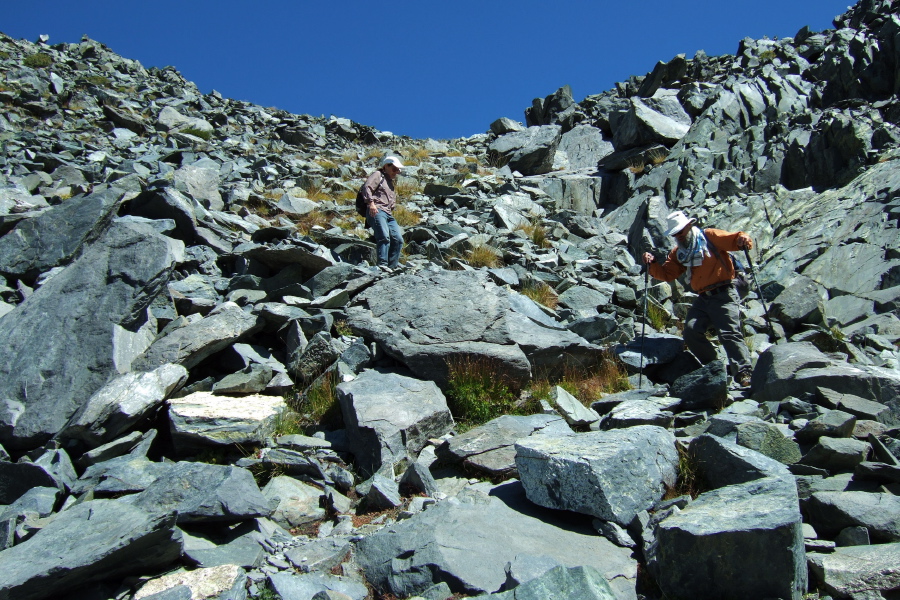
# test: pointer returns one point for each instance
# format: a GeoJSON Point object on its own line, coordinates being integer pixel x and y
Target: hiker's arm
{"type": "Point", "coordinates": [369, 190]}
{"type": "Point", "coordinates": [729, 242]}
{"type": "Point", "coordinates": [667, 271]}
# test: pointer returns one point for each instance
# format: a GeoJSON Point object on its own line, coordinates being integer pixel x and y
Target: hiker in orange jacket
{"type": "Point", "coordinates": [703, 254]}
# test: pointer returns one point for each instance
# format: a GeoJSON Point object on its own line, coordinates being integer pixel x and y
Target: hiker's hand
{"type": "Point", "coordinates": [648, 258]}
{"type": "Point", "coordinates": [373, 210]}
{"type": "Point", "coordinates": [744, 242]}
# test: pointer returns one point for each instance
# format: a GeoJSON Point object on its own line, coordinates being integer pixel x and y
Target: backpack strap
{"type": "Point", "coordinates": [715, 251]}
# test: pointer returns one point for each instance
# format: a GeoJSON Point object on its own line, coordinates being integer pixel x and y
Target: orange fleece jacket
{"type": "Point", "coordinates": [708, 273]}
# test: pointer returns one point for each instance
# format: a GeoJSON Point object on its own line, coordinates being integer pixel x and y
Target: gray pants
{"type": "Point", "coordinates": [722, 312]}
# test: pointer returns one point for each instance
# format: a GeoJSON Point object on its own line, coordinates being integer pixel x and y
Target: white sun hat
{"type": "Point", "coordinates": [678, 221]}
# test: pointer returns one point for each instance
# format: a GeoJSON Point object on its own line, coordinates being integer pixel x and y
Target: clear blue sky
{"type": "Point", "coordinates": [414, 67]}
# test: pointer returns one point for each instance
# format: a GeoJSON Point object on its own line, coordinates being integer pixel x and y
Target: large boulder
{"type": "Point", "coordinates": [55, 236]}
{"type": "Point", "coordinates": [799, 368]}
{"type": "Point", "coordinates": [741, 539]}
{"type": "Point", "coordinates": [96, 540]}
{"type": "Point", "coordinates": [529, 152]}
{"type": "Point", "coordinates": [468, 543]}
{"type": "Point", "coordinates": [49, 367]}
{"type": "Point", "coordinates": [390, 417]}
{"type": "Point", "coordinates": [642, 124]}
{"type": "Point", "coordinates": [203, 419]}
{"type": "Point", "coordinates": [830, 512]}
{"type": "Point", "coordinates": [431, 320]}
{"type": "Point", "coordinates": [612, 475]}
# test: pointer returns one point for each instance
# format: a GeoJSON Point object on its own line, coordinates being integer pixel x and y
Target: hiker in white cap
{"type": "Point", "coordinates": [378, 193]}
{"type": "Point", "coordinates": [703, 255]}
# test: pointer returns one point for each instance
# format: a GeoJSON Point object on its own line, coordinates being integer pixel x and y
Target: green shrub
{"type": "Point", "coordinates": [657, 315]}
{"type": "Point", "coordinates": [200, 133]}
{"type": "Point", "coordinates": [38, 61]}
{"type": "Point", "coordinates": [475, 392]}
{"type": "Point", "coordinates": [767, 55]}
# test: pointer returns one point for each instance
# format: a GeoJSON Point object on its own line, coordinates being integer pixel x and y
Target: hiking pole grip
{"type": "Point", "coordinates": [759, 292]}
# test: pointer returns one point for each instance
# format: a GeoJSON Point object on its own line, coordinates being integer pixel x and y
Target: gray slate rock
{"type": "Point", "coordinates": [17, 478]}
{"type": "Point", "coordinates": [468, 544]}
{"type": "Point", "coordinates": [62, 362]}
{"type": "Point", "coordinates": [123, 402]}
{"type": "Point", "coordinates": [584, 583]}
{"type": "Point", "coordinates": [707, 387]}
{"type": "Point", "coordinates": [390, 417]}
{"type": "Point", "coordinates": [120, 475]}
{"type": "Point", "coordinates": [191, 344]}
{"type": "Point", "coordinates": [794, 369]}
{"type": "Point", "coordinates": [57, 235]}
{"type": "Point", "coordinates": [319, 555]}
{"type": "Point", "coordinates": [201, 492]}
{"type": "Point", "coordinates": [490, 448]}
{"type": "Point", "coordinates": [612, 475]}
{"type": "Point", "coordinates": [738, 541]}
{"type": "Point", "coordinates": [831, 512]}
{"type": "Point", "coordinates": [529, 152]}
{"type": "Point", "coordinates": [291, 586]}
{"type": "Point", "coordinates": [858, 571]}
{"type": "Point", "coordinates": [834, 454]}
{"type": "Point", "coordinates": [203, 419]}
{"type": "Point", "coordinates": [768, 440]}
{"type": "Point", "coordinates": [93, 541]}
{"type": "Point", "coordinates": [834, 423]}
{"type": "Point", "coordinates": [294, 502]}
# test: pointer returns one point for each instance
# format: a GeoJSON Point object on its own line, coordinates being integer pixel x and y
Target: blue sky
{"type": "Point", "coordinates": [417, 68]}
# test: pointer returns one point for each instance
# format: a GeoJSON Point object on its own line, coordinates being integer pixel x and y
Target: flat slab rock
{"type": "Point", "coordinates": [469, 542]}
{"type": "Point", "coordinates": [858, 571]}
{"type": "Point", "coordinates": [205, 419]}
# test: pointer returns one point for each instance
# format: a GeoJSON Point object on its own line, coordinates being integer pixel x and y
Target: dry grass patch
{"type": "Point", "coordinates": [305, 223]}
{"type": "Point", "coordinates": [483, 256]}
{"type": "Point", "coordinates": [406, 217]}
{"type": "Point", "coordinates": [541, 293]}
{"type": "Point", "coordinates": [405, 188]}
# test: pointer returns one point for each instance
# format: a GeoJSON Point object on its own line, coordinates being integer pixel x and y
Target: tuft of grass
{"type": "Point", "coordinates": [657, 156]}
{"type": "Point", "coordinates": [536, 233]}
{"type": "Point", "coordinates": [767, 55]}
{"type": "Point", "coordinates": [608, 377]}
{"type": "Point", "coordinates": [317, 193]}
{"type": "Point", "coordinates": [496, 160]}
{"type": "Point", "coordinates": [305, 223]}
{"type": "Point", "coordinates": [287, 422]}
{"type": "Point", "coordinates": [406, 217]}
{"type": "Point", "coordinates": [415, 155]}
{"type": "Point", "coordinates": [636, 165]}
{"type": "Point", "coordinates": [657, 316]}
{"type": "Point", "coordinates": [475, 393]}
{"type": "Point", "coordinates": [38, 60]}
{"type": "Point", "coordinates": [405, 188]}
{"type": "Point", "coordinates": [200, 133]}
{"type": "Point", "coordinates": [4, 55]}
{"type": "Point", "coordinates": [688, 481]}
{"type": "Point", "coordinates": [541, 293]}
{"type": "Point", "coordinates": [483, 256]}
{"type": "Point", "coordinates": [326, 164]}
{"type": "Point", "coordinates": [315, 407]}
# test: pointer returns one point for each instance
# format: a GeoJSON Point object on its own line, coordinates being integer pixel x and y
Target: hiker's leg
{"type": "Point", "coordinates": [379, 225]}
{"type": "Point", "coordinates": [725, 313]}
{"type": "Point", "coordinates": [695, 326]}
{"type": "Point", "coordinates": [396, 243]}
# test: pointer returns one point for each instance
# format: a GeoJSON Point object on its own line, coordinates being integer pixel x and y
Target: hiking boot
{"type": "Point", "coordinates": [743, 378]}
{"type": "Point", "coordinates": [386, 269]}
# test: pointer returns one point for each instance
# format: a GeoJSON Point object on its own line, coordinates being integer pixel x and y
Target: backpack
{"type": "Point", "coordinates": [361, 207]}
{"type": "Point", "coordinates": [741, 278]}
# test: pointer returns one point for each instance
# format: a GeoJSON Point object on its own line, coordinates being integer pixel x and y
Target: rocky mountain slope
{"type": "Point", "coordinates": [187, 290]}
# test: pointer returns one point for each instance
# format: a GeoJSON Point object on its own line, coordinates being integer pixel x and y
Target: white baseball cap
{"type": "Point", "coordinates": [392, 160]}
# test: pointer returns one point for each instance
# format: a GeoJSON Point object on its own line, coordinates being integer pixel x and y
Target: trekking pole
{"type": "Point", "coordinates": [759, 292]}
{"type": "Point", "coordinates": [644, 325]}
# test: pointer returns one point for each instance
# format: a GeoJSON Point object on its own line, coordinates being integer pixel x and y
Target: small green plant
{"type": "Point", "coordinates": [38, 61]}
{"type": "Point", "coordinates": [4, 55]}
{"type": "Point", "coordinates": [541, 293]}
{"type": "Point", "coordinates": [342, 328]}
{"type": "Point", "coordinates": [483, 256]}
{"type": "Point", "coordinates": [475, 392]}
{"type": "Point", "coordinates": [406, 217]}
{"type": "Point", "coordinates": [657, 316]}
{"type": "Point", "coordinates": [98, 80]}
{"type": "Point", "coordinates": [287, 422]}
{"type": "Point", "coordinates": [767, 55]}
{"type": "Point", "coordinates": [200, 133]}
{"type": "Point", "coordinates": [326, 164]}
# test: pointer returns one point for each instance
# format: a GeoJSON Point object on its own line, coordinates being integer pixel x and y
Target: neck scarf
{"type": "Point", "coordinates": [693, 251]}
